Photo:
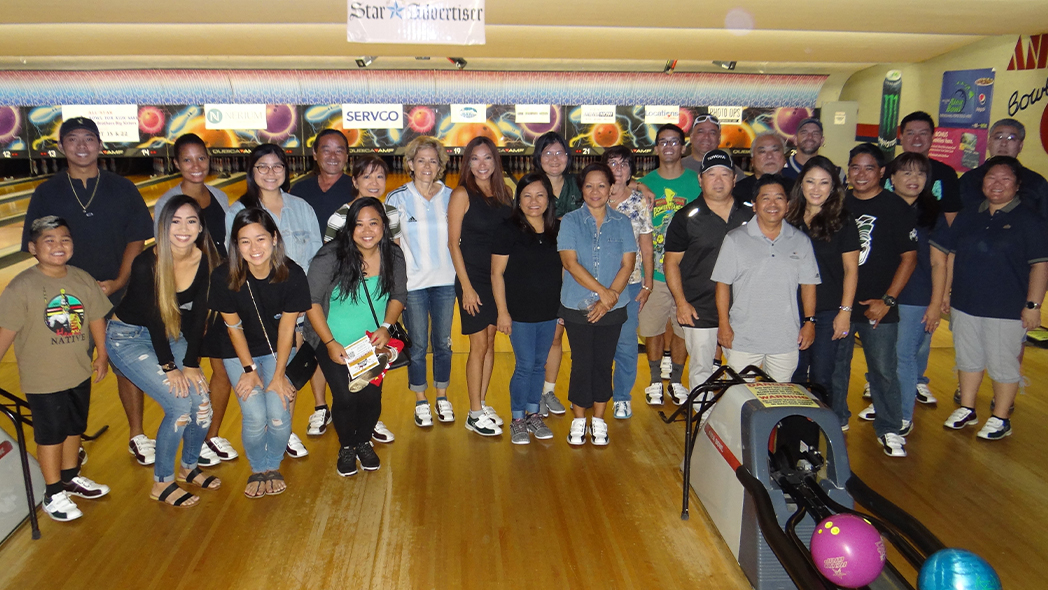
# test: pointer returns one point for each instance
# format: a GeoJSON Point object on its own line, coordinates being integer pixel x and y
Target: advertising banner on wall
{"type": "Point", "coordinates": [443, 22]}
{"type": "Point", "coordinates": [964, 116]}
{"type": "Point", "coordinates": [13, 143]}
{"type": "Point", "coordinates": [147, 139]}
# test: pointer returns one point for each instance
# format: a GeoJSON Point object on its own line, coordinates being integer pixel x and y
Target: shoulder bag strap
{"type": "Point", "coordinates": [247, 281]}
{"type": "Point", "coordinates": [370, 304]}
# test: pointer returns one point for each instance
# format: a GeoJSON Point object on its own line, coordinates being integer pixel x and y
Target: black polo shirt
{"type": "Point", "coordinates": [743, 191]}
{"type": "Point", "coordinates": [991, 271]}
{"type": "Point", "coordinates": [1033, 190]}
{"type": "Point", "coordinates": [946, 187]}
{"type": "Point", "coordinates": [324, 204]}
{"type": "Point", "coordinates": [698, 232]}
{"type": "Point", "coordinates": [116, 217]}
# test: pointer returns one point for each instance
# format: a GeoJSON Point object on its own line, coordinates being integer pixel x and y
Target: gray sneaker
{"type": "Point", "coordinates": [551, 401]}
{"type": "Point", "coordinates": [543, 408]}
{"type": "Point", "coordinates": [519, 432]}
{"type": "Point", "coordinates": [537, 427]}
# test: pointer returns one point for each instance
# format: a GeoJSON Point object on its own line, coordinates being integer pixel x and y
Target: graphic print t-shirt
{"type": "Point", "coordinates": [52, 317]}
{"type": "Point", "coordinates": [670, 197]}
{"type": "Point", "coordinates": [886, 231]}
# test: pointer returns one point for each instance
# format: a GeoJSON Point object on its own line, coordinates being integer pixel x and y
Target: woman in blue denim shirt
{"type": "Point", "coordinates": [599, 252]}
{"type": "Point", "coordinates": [267, 186]}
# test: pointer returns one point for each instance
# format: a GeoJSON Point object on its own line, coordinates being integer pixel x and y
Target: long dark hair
{"type": "Point", "coordinates": [500, 193]}
{"type": "Point", "coordinates": [831, 218]}
{"type": "Point", "coordinates": [927, 205]}
{"type": "Point", "coordinates": [349, 268]}
{"type": "Point", "coordinates": [237, 265]}
{"type": "Point", "coordinates": [252, 197]}
{"type": "Point", "coordinates": [549, 216]}
{"type": "Point", "coordinates": [166, 292]}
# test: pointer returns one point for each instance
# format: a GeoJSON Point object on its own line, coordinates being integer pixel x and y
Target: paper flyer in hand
{"type": "Point", "coordinates": [361, 357]}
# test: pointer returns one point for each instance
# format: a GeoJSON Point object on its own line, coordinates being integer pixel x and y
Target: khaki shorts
{"type": "Point", "coordinates": [659, 309]}
{"type": "Point", "coordinates": [989, 344]}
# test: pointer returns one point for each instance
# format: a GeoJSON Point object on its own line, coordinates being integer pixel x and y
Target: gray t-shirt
{"type": "Point", "coordinates": [764, 275]}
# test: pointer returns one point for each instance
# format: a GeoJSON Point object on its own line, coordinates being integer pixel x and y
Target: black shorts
{"type": "Point", "coordinates": [59, 415]}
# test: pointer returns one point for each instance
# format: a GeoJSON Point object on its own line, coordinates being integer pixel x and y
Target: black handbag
{"type": "Point", "coordinates": [299, 369]}
{"type": "Point", "coordinates": [396, 330]}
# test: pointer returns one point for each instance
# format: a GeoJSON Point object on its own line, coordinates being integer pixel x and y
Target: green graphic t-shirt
{"type": "Point", "coordinates": [670, 197]}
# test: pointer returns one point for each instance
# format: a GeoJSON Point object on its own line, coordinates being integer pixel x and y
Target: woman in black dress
{"type": "Point", "coordinates": [477, 208]}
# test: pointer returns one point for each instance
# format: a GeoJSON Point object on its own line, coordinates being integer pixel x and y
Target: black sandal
{"type": "Point", "coordinates": [259, 478]}
{"type": "Point", "coordinates": [190, 479]}
{"type": "Point", "coordinates": [170, 490]}
{"type": "Point", "coordinates": [272, 475]}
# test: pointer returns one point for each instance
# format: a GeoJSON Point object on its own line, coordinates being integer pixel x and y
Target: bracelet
{"type": "Point", "coordinates": [846, 308]}
{"type": "Point", "coordinates": [645, 287]}
{"type": "Point", "coordinates": [385, 325]}
{"type": "Point", "coordinates": [329, 342]}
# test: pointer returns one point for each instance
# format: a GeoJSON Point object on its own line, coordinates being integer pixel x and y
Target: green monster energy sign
{"type": "Point", "coordinates": [888, 136]}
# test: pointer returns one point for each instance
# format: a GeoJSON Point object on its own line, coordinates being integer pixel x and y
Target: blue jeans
{"type": "Point", "coordinates": [436, 304]}
{"type": "Point", "coordinates": [817, 362]}
{"type": "Point", "coordinates": [914, 345]}
{"type": "Point", "coordinates": [186, 419]}
{"type": "Point", "coordinates": [878, 345]}
{"type": "Point", "coordinates": [626, 352]}
{"type": "Point", "coordinates": [531, 343]}
{"type": "Point", "coordinates": [267, 423]}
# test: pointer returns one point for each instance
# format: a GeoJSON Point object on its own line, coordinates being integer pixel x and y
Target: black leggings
{"type": "Point", "coordinates": [354, 415]}
{"type": "Point", "coordinates": [592, 353]}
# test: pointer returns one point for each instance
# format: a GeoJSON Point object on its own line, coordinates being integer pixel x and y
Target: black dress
{"type": "Point", "coordinates": [479, 224]}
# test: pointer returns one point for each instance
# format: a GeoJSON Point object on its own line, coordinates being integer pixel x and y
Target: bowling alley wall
{"type": "Point", "coordinates": [300, 103]}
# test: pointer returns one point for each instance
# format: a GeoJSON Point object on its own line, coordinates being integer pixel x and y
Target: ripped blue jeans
{"type": "Point", "coordinates": [267, 423]}
{"type": "Point", "coordinates": [186, 419]}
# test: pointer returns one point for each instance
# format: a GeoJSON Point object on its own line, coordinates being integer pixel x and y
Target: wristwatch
{"type": "Point", "coordinates": [889, 301]}
{"type": "Point", "coordinates": [168, 367]}
{"type": "Point", "coordinates": [1033, 305]}
{"type": "Point", "coordinates": [385, 325]}
{"type": "Point", "coordinates": [250, 368]}
{"type": "Point", "coordinates": [810, 318]}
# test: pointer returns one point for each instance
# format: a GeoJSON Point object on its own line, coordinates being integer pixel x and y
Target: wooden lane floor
{"type": "Point", "coordinates": [25, 184]}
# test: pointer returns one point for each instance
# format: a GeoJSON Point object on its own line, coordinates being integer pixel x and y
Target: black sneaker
{"type": "Point", "coordinates": [368, 459]}
{"type": "Point", "coordinates": [347, 461]}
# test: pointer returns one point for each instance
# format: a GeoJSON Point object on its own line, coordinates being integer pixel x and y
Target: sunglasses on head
{"type": "Point", "coordinates": [704, 118]}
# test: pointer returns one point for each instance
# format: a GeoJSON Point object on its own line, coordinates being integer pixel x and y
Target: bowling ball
{"type": "Point", "coordinates": [280, 123]}
{"type": "Point", "coordinates": [957, 569]}
{"type": "Point", "coordinates": [735, 136]}
{"type": "Point", "coordinates": [685, 120]}
{"type": "Point", "coordinates": [848, 550]}
{"type": "Point", "coordinates": [788, 119]}
{"type": "Point", "coordinates": [150, 120]}
{"type": "Point", "coordinates": [10, 124]}
{"type": "Point", "coordinates": [606, 135]}
{"type": "Point", "coordinates": [421, 119]}
{"type": "Point", "coordinates": [463, 133]}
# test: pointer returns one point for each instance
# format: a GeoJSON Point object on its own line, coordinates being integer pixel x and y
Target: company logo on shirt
{"type": "Point", "coordinates": [913, 235]}
{"type": "Point", "coordinates": [65, 316]}
{"type": "Point", "coordinates": [866, 224]}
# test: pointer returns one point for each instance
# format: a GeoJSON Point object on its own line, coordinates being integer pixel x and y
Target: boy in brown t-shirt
{"type": "Point", "coordinates": [46, 312]}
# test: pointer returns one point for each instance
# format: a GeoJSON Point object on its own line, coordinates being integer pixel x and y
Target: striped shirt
{"type": "Point", "coordinates": [421, 225]}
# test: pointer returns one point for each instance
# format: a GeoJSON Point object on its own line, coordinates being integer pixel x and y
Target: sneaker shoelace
{"type": "Point", "coordinates": [959, 414]}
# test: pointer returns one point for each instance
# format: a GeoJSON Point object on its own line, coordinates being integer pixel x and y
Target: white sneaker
{"type": "Point", "coordinates": [318, 422]}
{"type": "Point", "coordinates": [85, 488]}
{"type": "Point", "coordinates": [483, 425]}
{"type": "Point", "coordinates": [423, 416]}
{"type": "Point", "coordinates": [295, 448]}
{"type": "Point", "coordinates": [381, 433]}
{"type": "Point", "coordinates": [678, 393]}
{"type": "Point", "coordinates": [445, 413]}
{"type": "Point", "coordinates": [577, 433]}
{"type": "Point", "coordinates": [143, 448]}
{"type": "Point", "coordinates": [666, 367]}
{"type": "Point", "coordinates": [869, 414]}
{"type": "Point", "coordinates": [866, 392]}
{"type": "Point", "coordinates": [995, 429]}
{"type": "Point", "coordinates": [491, 413]}
{"type": "Point", "coordinates": [653, 393]}
{"type": "Point", "coordinates": [222, 448]}
{"type": "Point", "coordinates": [61, 508]}
{"type": "Point", "coordinates": [893, 444]}
{"type": "Point", "coordinates": [599, 432]}
{"type": "Point", "coordinates": [924, 394]}
{"type": "Point", "coordinates": [208, 458]}
{"type": "Point", "coordinates": [907, 428]}
{"type": "Point", "coordinates": [623, 410]}
{"type": "Point", "coordinates": [960, 418]}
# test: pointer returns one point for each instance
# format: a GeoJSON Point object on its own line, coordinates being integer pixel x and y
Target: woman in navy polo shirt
{"type": "Point", "coordinates": [599, 252]}
{"type": "Point", "coordinates": [999, 259]}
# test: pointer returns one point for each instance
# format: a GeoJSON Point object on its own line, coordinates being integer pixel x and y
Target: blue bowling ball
{"type": "Point", "coordinates": [957, 569]}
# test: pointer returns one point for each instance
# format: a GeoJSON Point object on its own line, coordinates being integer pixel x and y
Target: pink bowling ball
{"type": "Point", "coordinates": [848, 550]}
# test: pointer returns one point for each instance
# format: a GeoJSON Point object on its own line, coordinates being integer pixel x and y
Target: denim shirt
{"type": "Point", "coordinates": [298, 227]}
{"type": "Point", "coordinates": [599, 252]}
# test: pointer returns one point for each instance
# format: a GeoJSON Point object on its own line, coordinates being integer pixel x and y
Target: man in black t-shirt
{"type": "Point", "coordinates": [331, 187]}
{"type": "Point", "coordinates": [887, 257]}
{"type": "Point", "coordinates": [767, 156]}
{"type": "Point", "coordinates": [1006, 139]}
{"type": "Point", "coordinates": [109, 218]}
{"type": "Point", "coordinates": [915, 135]}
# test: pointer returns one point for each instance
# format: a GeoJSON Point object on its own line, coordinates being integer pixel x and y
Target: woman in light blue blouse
{"type": "Point", "coordinates": [599, 252]}
{"type": "Point", "coordinates": [267, 186]}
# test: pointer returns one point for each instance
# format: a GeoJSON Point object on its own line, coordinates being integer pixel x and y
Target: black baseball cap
{"type": "Point", "coordinates": [714, 158]}
{"type": "Point", "coordinates": [70, 125]}
{"type": "Point", "coordinates": [810, 120]}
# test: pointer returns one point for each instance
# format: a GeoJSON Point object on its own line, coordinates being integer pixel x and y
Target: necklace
{"type": "Point", "coordinates": [98, 181]}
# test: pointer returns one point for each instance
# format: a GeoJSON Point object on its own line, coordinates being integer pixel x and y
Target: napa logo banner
{"type": "Point", "coordinates": [445, 22]}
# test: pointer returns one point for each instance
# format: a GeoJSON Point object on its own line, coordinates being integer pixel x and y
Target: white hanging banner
{"type": "Point", "coordinates": [372, 116]}
{"type": "Point", "coordinates": [469, 113]}
{"type": "Point", "coordinates": [598, 113]}
{"type": "Point", "coordinates": [660, 115]}
{"type": "Point", "coordinates": [234, 116]}
{"type": "Point", "coordinates": [443, 22]}
{"type": "Point", "coordinates": [531, 113]}
{"type": "Point", "coordinates": [116, 122]}
{"type": "Point", "coordinates": [727, 114]}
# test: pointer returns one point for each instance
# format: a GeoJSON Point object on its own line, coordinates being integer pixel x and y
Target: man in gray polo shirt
{"type": "Point", "coordinates": [757, 273]}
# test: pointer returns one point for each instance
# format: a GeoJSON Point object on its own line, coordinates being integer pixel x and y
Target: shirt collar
{"type": "Point", "coordinates": [985, 205]}
{"type": "Point", "coordinates": [754, 229]}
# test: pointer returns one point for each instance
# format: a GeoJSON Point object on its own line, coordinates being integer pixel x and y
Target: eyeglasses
{"type": "Point", "coordinates": [1002, 137]}
{"type": "Point", "coordinates": [552, 154]}
{"type": "Point", "coordinates": [265, 169]}
{"type": "Point", "coordinates": [710, 118]}
{"type": "Point", "coordinates": [668, 142]}
{"type": "Point", "coordinates": [618, 163]}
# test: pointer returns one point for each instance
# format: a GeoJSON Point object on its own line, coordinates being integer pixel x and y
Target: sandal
{"type": "Point", "coordinates": [185, 497]}
{"type": "Point", "coordinates": [275, 476]}
{"type": "Point", "coordinates": [260, 489]}
{"type": "Point", "coordinates": [191, 479]}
